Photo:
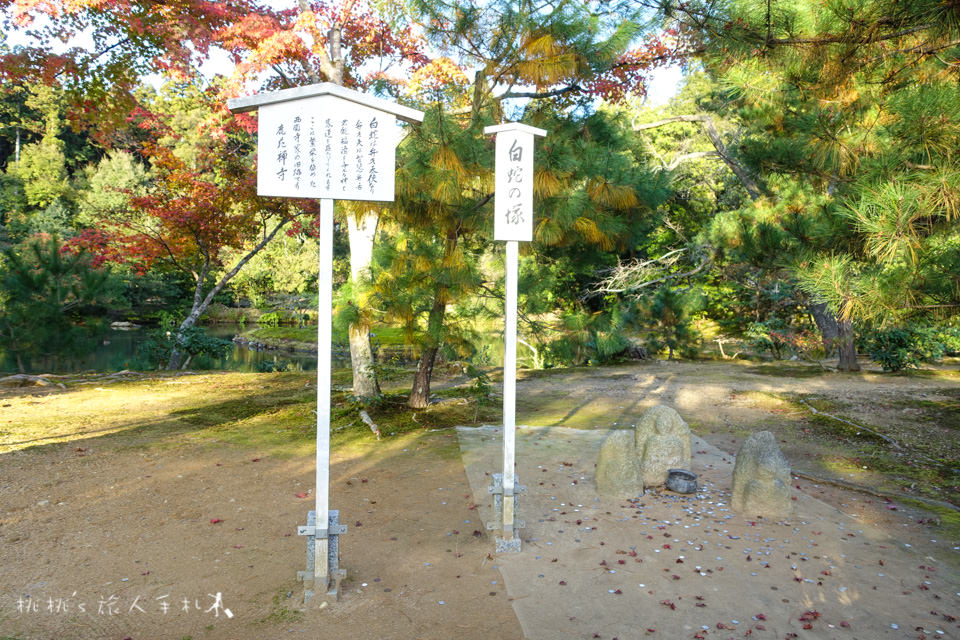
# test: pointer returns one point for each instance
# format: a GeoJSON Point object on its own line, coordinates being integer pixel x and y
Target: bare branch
{"type": "Point", "coordinates": [706, 122]}
{"type": "Point", "coordinates": [632, 277]}
{"type": "Point", "coordinates": [676, 162]}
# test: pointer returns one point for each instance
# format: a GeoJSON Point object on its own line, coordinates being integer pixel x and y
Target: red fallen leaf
{"type": "Point", "coordinates": [679, 561]}
{"type": "Point", "coordinates": [145, 573]}
{"type": "Point", "coordinates": [255, 460]}
{"type": "Point", "coordinates": [668, 603]}
{"type": "Point", "coordinates": [699, 636]}
{"type": "Point", "coordinates": [603, 563]}
{"type": "Point", "coordinates": [618, 592]}
{"type": "Point", "coordinates": [563, 583]}
{"type": "Point", "coordinates": [555, 559]}
{"type": "Point", "coordinates": [666, 546]}
{"type": "Point", "coordinates": [844, 624]}
{"type": "Point", "coordinates": [675, 577]}
{"type": "Point", "coordinates": [621, 562]}
{"type": "Point", "coordinates": [238, 546]}
{"type": "Point", "coordinates": [358, 524]}
{"type": "Point", "coordinates": [649, 630]}
{"type": "Point", "coordinates": [760, 627]}
{"type": "Point", "coordinates": [881, 562]}
{"type": "Point", "coordinates": [808, 626]}
{"type": "Point", "coordinates": [632, 554]}
{"type": "Point", "coordinates": [720, 625]}
{"type": "Point", "coordinates": [215, 520]}
{"type": "Point", "coordinates": [760, 616]}
{"type": "Point", "coordinates": [302, 494]}
{"type": "Point", "coordinates": [701, 604]}
{"type": "Point", "coordinates": [455, 532]}
{"type": "Point", "coordinates": [749, 559]}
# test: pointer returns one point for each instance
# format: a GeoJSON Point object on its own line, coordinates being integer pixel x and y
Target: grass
{"type": "Point", "coordinates": [282, 613]}
{"type": "Point", "coordinates": [273, 413]}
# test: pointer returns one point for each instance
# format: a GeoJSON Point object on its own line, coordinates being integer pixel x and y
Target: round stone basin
{"type": "Point", "coordinates": [681, 481]}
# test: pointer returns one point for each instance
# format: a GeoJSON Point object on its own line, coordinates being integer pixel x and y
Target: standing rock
{"type": "Point", "coordinates": [618, 468]}
{"type": "Point", "coordinates": [761, 479]}
{"type": "Point", "coordinates": [663, 443]}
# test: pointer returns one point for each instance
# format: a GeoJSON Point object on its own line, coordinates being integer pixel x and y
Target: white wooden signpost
{"type": "Point", "coordinates": [328, 142]}
{"type": "Point", "coordinates": [513, 222]}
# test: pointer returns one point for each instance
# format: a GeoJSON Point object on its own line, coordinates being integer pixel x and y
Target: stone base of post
{"type": "Point", "coordinates": [505, 509]}
{"type": "Point", "coordinates": [325, 575]}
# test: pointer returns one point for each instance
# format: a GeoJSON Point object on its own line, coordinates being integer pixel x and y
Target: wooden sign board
{"type": "Point", "coordinates": [326, 147]}
{"type": "Point", "coordinates": [326, 141]}
{"type": "Point", "coordinates": [513, 181]}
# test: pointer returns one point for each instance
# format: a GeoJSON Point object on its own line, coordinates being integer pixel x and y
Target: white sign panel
{"type": "Point", "coordinates": [326, 147]}
{"type": "Point", "coordinates": [513, 202]}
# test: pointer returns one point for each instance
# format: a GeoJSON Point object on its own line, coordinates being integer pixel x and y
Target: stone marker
{"type": "Point", "coordinates": [618, 467]}
{"type": "Point", "coordinates": [662, 443]}
{"type": "Point", "coordinates": [761, 479]}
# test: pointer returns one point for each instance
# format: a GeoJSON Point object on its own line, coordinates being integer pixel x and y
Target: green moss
{"type": "Point", "coordinates": [282, 611]}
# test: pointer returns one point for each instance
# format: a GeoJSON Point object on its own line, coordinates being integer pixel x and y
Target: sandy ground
{"type": "Point", "coordinates": [122, 530]}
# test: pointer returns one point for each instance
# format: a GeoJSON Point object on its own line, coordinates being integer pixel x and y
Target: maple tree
{"type": "Point", "coordinates": [130, 39]}
{"type": "Point", "coordinates": [200, 209]}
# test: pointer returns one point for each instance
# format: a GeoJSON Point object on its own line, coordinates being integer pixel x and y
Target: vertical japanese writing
{"type": "Point", "coordinates": [358, 126]}
{"type": "Point", "coordinates": [297, 172]}
{"type": "Point", "coordinates": [328, 152]}
{"type": "Point", "coordinates": [281, 153]}
{"type": "Point", "coordinates": [313, 154]}
{"type": "Point", "coordinates": [372, 143]}
{"type": "Point", "coordinates": [514, 209]}
{"type": "Point", "coordinates": [344, 152]}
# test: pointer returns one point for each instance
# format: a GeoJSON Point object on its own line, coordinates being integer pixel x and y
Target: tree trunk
{"type": "Point", "coordinates": [201, 302]}
{"type": "Point", "coordinates": [827, 324]}
{"type": "Point", "coordinates": [838, 336]}
{"type": "Point", "coordinates": [361, 235]}
{"type": "Point", "coordinates": [177, 354]}
{"type": "Point", "coordinates": [420, 393]}
{"type": "Point", "coordinates": [848, 347]}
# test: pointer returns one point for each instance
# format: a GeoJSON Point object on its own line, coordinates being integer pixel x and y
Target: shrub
{"type": "Point", "coordinates": [900, 348]}
{"type": "Point", "coordinates": [271, 319]}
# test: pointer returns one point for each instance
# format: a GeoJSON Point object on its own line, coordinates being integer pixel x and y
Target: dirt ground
{"type": "Point", "coordinates": [144, 538]}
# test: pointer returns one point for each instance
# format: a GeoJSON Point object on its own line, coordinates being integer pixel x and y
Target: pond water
{"type": "Point", "coordinates": [118, 350]}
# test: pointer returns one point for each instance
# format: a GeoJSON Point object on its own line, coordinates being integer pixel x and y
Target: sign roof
{"type": "Point", "coordinates": [515, 126]}
{"type": "Point", "coordinates": [252, 103]}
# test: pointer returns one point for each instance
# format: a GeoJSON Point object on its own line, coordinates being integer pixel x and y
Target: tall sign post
{"type": "Point", "coordinates": [513, 223]}
{"type": "Point", "coordinates": [328, 142]}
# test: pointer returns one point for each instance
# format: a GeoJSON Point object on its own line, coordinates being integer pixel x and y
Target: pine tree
{"type": "Point", "coordinates": [851, 123]}
{"type": "Point", "coordinates": [47, 294]}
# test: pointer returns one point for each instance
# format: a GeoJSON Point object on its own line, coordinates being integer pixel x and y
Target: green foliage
{"type": "Point", "coordinates": [194, 341]}
{"type": "Point", "coordinates": [51, 300]}
{"type": "Point", "coordinates": [669, 316]}
{"type": "Point", "coordinates": [108, 186]}
{"type": "Point", "coordinates": [271, 319]}
{"type": "Point", "coordinates": [899, 348]}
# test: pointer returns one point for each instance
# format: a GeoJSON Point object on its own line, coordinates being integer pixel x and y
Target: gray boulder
{"type": "Point", "coordinates": [761, 479]}
{"type": "Point", "coordinates": [618, 468]}
{"type": "Point", "coordinates": [662, 443]}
